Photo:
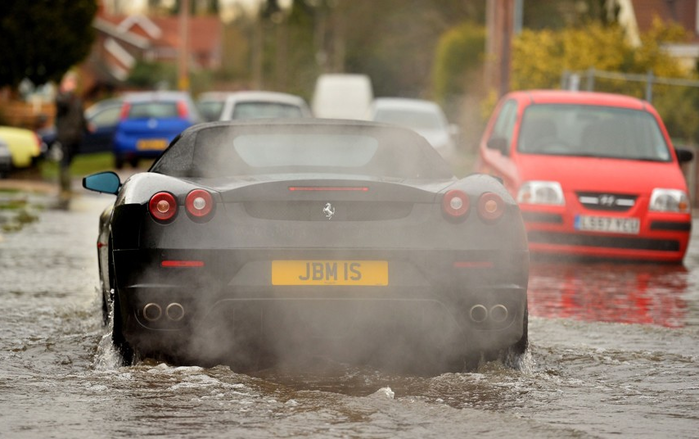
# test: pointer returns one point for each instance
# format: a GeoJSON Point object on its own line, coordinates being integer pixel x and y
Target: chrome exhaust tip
{"type": "Point", "coordinates": [174, 312]}
{"type": "Point", "coordinates": [478, 313]}
{"type": "Point", "coordinates": [498, 313]}
{"type": "Point", "coordinates": [152, 312]}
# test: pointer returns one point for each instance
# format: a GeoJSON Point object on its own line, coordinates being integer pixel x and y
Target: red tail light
{"type": "Point", "coordinates": [455, 203]}
{"type": "Point", "coordinates": [162, 206]}
{"type": "Point", "coordinates": [199, 203]}
{"type": "Point", "coordinates": [490, 206]}
{"type": "Point", "coordinates": [125, 111]}
{"type": "Point", "coordinates": [182, 110]}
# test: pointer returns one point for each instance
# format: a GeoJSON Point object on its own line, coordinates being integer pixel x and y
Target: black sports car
{"type": "Point", "coordinates": [249, 241]}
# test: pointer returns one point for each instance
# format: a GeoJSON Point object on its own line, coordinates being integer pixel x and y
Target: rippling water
{"type": "Point", "coordinates": [614, 351]}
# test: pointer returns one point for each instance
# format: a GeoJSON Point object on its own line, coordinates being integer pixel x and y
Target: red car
{"type": "Point", "coordinates": [595, 174]}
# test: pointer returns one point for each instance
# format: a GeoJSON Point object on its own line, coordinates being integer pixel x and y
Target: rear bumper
{"type": "Point", "coordinates": [475, 305]}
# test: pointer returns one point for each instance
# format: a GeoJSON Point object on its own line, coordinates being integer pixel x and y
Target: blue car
{"type": "Point", "coordinates": [149, 122]}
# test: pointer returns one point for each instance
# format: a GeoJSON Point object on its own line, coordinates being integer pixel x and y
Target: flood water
{"type": "Point", "coordinates": [614, 350]}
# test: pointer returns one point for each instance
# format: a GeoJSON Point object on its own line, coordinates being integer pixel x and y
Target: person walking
{"type": "Point", "coordinates": [70, 127]}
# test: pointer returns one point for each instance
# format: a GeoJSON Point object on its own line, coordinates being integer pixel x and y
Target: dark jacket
{"type": "Point", "coordinates": [70, 119]}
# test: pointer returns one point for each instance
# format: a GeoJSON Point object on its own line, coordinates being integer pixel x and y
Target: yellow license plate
{"type": "Point", "coordinates": [158, 144]}
{"type": "Point", "coordinates": [330, 273]}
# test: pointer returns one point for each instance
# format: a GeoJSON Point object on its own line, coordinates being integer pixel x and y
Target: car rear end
{"type": "Point", "coordinates": [333, 252]}
{"type": "Point", "coordinates": [148, 123]}
{"type": "Point", "coordinates": [325, 265]}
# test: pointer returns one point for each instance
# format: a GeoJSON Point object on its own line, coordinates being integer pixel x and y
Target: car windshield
{"type": "Point", "coordinates": [210, 110]}
{"type": "Point", "coordinates": [228, 151]}
{"type": "Point", "coordinates": [594, 131]}
{"type": "Point", "coordinates": [415, 119]}
{"type": "Point", "coordinates": [259, 110]}
{"type": "Point", "coordinates": [141, 110]}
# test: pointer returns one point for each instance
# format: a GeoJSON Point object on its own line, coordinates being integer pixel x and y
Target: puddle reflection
{"type": "Point", "coordinates": [607, 292]}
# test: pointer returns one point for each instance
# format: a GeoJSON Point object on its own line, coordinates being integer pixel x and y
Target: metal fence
{"type": "Point", "coordinates": [573, 80]}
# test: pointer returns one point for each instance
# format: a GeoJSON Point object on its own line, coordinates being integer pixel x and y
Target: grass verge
{"type": "Point", "coordinates": [83, 164]}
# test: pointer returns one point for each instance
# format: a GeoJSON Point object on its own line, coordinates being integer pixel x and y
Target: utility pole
{"type": "Point", "coordinates": [500, 22]}
{"type": "Point", "coordinates": [183, 50]}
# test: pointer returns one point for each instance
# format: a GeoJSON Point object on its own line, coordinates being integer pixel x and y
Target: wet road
{"type": "Point", "coordinates": [614, 351]}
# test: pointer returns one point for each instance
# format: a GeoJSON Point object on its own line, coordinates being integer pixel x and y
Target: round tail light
{"type": "Point", "coordinates": [162, 206]}
{"type": "Point", "coordinates": [455, 203]}
{"type": "Point", "coordinates": [199, 203]}
{"type": "Point", "coordinates": [490, 206]}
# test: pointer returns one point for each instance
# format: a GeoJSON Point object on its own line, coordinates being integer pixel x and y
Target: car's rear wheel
{"type": "Point", "coordinates": [520, 347]}
{"type": "Point", "coordinates": [123, 348]}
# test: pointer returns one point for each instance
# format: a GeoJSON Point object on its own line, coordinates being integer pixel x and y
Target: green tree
{"type": "Point", "coordinates": [539, 58]}
{"type": "Point", "coordinates": [459, 54]}
{"type": "Point", "coordinates": [42, 39]}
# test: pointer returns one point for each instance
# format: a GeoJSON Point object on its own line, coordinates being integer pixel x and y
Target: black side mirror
{"type": "Point", "coordinates": [499, 143]}
{"type": "Point", "coordinates": [684, 155]}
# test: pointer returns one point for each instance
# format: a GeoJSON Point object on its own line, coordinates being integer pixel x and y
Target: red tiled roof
{"type": "Point", "coordinates": [204, 31]}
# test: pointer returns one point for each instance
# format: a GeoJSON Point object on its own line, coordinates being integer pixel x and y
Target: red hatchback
{"type": "Point", "coordinates": [595, 174]}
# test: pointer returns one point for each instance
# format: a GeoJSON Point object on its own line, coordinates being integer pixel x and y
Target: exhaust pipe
{"type": "Point", "coordinates": [498, 313]}
{"type": "Point", "coordinates": [152, 312]}
{"type": "Point", "coordinates": [478, 313]}
{"type": "Point", "coordinates": [174, 312]}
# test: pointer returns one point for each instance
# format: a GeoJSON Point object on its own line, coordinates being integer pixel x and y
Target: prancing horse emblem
{"type": "Point", "coordinates": [329, 211]}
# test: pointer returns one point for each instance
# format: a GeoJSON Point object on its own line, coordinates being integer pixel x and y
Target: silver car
{"type": "Point", "coordinates": [424, 117]}
{"type": "Point", "coordinates": [251, 105]}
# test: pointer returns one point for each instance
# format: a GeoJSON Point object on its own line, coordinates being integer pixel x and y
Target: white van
{"type": "Point", "coordinates": [342, 96]}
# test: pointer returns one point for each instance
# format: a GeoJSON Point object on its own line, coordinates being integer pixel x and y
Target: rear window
{"type": "Point", "coordinates": [141, 110]}
{"type": "Point", "coordinates": [260, 110]}
{"type": "Point", "coordinates": [227, 151]}
{"type": "Point", "coordinates": [308, 150]}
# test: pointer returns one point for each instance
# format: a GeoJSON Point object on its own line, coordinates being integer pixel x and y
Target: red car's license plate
{"type": "Point", "coordinates": [631, 226]}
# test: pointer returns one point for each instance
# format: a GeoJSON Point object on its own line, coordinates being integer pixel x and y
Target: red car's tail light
{"type": "Point", "coordinates": [125, 111]}
{"type": "Point", "coordinates": [490, 206]}
{"type": "Point", "coordinates": [182, 109]}
{"type": "Point", "coordinates": [455, 203]}
{"type": "Point", "coordinates": [199, 203]}
{"type": "Point", "coordinates": [162, 206]}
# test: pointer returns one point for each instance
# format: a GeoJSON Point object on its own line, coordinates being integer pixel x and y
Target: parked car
{"type": "Point", "coordinates": [251, 105]}
{"type": "Point", "coordinates": [25, 146]}
{"type": "Point", "coordinates": [103, 118]}
{"type": "Point", "coordinates": [424, 117]}
{"type": "Point", "coordinates": [5, 159]}
{"type": "Point", "coordinates": [342, 96]}
{"type": "Point", "coordinates": [149, 121]}
{"type": "Point", "coordinates": [255, 239]}
{"type": "Point", "coordinates": [595, 174]}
